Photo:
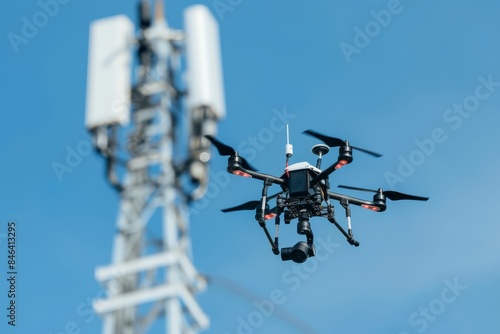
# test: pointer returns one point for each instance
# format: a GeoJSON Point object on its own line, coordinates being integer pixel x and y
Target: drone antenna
{"type": "Point", "coordinates": [288, 147]}
{"type": "Point", "coordinates": [288, 150]}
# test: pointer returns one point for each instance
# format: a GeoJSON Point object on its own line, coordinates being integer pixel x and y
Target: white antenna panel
{"type": "Point", "coordinates": [204, 67]}
{"type": "Point", "coordinates": [109, 72]}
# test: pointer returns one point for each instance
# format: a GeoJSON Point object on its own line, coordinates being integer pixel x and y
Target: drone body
{"type": "Point", "coordinates": [305, 193]}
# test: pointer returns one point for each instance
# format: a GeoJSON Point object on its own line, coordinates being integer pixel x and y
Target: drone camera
{"type": "Point", "coordinates": [298, 253]}
{"type": "Point", "coordinates": [304, 226]}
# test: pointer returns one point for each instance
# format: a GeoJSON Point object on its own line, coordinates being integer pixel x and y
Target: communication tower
{"type": "Point", "coordinates": [148, 115]}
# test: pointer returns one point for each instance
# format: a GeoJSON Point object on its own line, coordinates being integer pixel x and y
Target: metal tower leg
{"type": "Point", "coordinates": [173, 279]}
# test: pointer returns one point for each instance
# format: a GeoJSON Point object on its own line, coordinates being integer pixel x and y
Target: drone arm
{"type": "Point", "coordinates": [235, 168]}
{"type": "Point", "coordinates": [324, 174]}
{"type": "Point", "coordinates": [370, 205]}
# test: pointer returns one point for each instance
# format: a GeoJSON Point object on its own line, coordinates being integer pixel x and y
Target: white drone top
{"type": "Point", "coordinates": [303, 165]}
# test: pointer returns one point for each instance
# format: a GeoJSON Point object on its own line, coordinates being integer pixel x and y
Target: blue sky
{"type": "Point", "coordinates": [418, 81]}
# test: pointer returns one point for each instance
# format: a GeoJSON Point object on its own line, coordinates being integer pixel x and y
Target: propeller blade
{"type": "Point", "coordinates": [330, 141]}
{"type": "Point", "coordinates": [251, 205]}
{"type": "Point", "coordinates": [226, 150]}
{"type": "Point", "coordinates": [245, 164]}
{"type": "Point", "coordinates": [357, 188]}
{"type": "Point", "coordinates": [396, 196]}
{"type": "Point", "coordinates": [373, 154]}
{"type": "Point", "coordinates": [336, 142]}
{"type": "Point", "coordinates": [392, 195]}
{"type": "Point", "coordinates": [223, 149]}
{"type": "Point", "coordinates": [275, 195]}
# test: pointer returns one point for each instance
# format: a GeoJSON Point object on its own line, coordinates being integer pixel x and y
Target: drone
{"type": "Point", "coordinates": [305, 193]}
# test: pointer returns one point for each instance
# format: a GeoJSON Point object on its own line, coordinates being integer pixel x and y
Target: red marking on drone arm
{"type": "Point", "coordinates": [240, 173]}
{"type": "Point", "coordinates": [269, 216]}
{"type": "Point", "coordinates": [370, 207]}
{"type": "Point", "coordinates": [340, 164]}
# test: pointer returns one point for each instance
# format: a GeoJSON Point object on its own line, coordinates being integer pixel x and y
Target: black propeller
{"type": "Point", "coordinates": [226, 150]}
{"type": "Point", "coordinates": [392, 195]}
{"type": "Point", "coordinates": [251, 205]}
{"type": "Point", "coordinates": [337, 142]}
